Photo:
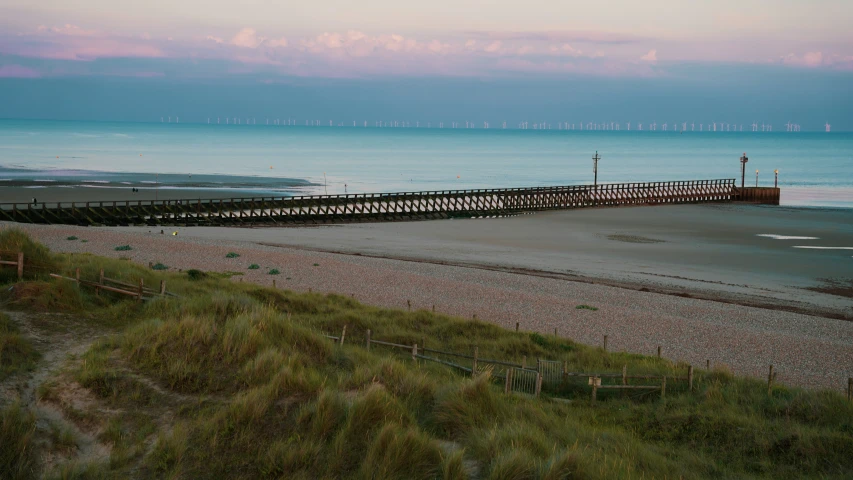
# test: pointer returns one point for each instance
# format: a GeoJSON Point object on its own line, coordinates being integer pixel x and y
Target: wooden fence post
{"type": "Point", "coordinates": [663, 388]}
{"type": "Point", "coordinates": [474, 365]}
{"type": "Point", "coordinates": [658, 351]}
{"type": "Point", "coordinates": [162, 287]}
{"type": "Point", "coordinates": [538, 383]}
{"type": "Point", "coordinates": [707, 365]}
{"type": "Point", "coordinates": [690, 377]}
{"type": "Point", "coordinates": [100, 282]}
{"type": "Point", "coordinates": [594, 389]}
{"type": "Point", "coordinates": [343, 335]}
{"type": "Point", "coordinates": [565, 371]}
{"type": "Point", "coordinates": [368, 339]}
{"type": "Point", "coordinates": [273, 283]}
{"type": "Point", "coordinates": [516, 326]}
{"type": "Point", "coordinates": [409, 304]}
{"type": "Point", "coordinates": [433, 308]}
{"type": "Point", "coordinates": [524, 362]}
{"type": "Point", "coordinates": [77, 276]}
{"type": "Point", "coordinates": [605, 343]}
{"type": "Point", "coordinates": [850, 389]}
{"type": "Point", "coordinates": [555, 331]}
{"type": "Point", "coordinates": [770, 381]}
{"type": "Point", "coordinates": [508, 383]}
{"type": "Point", "coordinates": [20, 266]}
{"type": "Point", "coordinates": [140, 289]}
{"type": "Point", "coordinates": [415, 352]}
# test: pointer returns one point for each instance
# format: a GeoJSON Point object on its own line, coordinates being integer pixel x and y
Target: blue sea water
{"type": "Point", "coordinates": [814, 168]}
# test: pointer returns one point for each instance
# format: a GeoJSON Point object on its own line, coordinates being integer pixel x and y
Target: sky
{"type": "Point", "coordinates": [781, 51]}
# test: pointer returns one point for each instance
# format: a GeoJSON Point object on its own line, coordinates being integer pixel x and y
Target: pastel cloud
{"type": "Point", "coordinates": [651, 57]}
{"type": "Point", "coordinates": [356, 53]}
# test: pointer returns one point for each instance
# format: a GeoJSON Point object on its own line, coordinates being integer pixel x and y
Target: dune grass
{"type": "Point", "coordinates": [16, 352]}
{"type": "Point", "coordinates": [232, 380]}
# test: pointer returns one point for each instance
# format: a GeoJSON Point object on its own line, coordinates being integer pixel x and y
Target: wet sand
{"type": "Point", "coordinates": [99, 194]}
{"type": "Point", "coordinates": [705, 251]}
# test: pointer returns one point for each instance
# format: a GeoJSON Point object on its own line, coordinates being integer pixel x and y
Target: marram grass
{"type": "Point", "coordinates": [231, 380]}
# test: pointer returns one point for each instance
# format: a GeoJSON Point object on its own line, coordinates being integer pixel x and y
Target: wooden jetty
{"type": "Point", "coordinates": [379, 207]}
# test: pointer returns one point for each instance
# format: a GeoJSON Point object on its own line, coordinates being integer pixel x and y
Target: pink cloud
{"type": "Point", "coordinates": [17, 71]}
{"type": "Point", "coordinates": [247, 38]}
{"type": "Point", "coordinates": [650, 57]}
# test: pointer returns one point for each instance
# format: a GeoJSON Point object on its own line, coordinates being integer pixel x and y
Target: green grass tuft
{"type": "Point", "coordinates": [254, 266]}
{"type": "Point", "coordinates": [232, 255]}
{"type": "Point", "coordinates": [159, 266]}
{"type": "Point", "coordinates": [16, 353]}
{"type": "Point", "coordinates": [586, 307]}
{"type": "Point", "coordinates": [123, 248]}
{"type": "Point", "coordinates": [19, 451]}
{"type": "Point", "coordinates": [72, 237]}
{"type": "Point", "coordinates": [274, 271]}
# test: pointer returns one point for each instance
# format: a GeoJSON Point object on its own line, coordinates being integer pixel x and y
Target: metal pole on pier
{"type": "Point", "coordinates": [776, 180]}
{"type": "Point", "coordinates": [595, 160]}
{"type": "Point", "coordinates": [743, 161]}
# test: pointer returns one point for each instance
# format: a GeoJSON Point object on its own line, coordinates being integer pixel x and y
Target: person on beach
{"type": "Point", "coordinates": [35, 202]}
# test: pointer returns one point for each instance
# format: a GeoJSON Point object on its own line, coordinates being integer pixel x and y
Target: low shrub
{"type": "Point", "coordinates": [586, 307]}
{"type": "Point", "coordinates": [232, 255]}
{"type": "Point", "coordinates": [72, 237]}
{"type": "Point", "coordinates": [254, 266]}
{"type": "Point", "coordinates": [194, 274]}
{"type": "Point", "coordinates": [274, 271]}
{"type": "Point", "coordinates": [159, 266]}
{"type": "Point", "coordinates": [123, 248]}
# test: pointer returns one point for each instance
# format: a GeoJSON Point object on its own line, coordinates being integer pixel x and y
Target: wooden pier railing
{"type": "Point", "coordinates": [375, 207]}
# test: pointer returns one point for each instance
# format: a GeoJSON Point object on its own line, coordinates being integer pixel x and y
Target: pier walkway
{"type": "Point", "coordinates": [379, 207]}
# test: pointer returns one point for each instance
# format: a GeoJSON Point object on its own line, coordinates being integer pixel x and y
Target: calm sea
{"type": "Point", "coordinates": [814, 168]}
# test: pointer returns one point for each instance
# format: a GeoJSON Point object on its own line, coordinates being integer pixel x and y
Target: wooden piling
{"type": "Point", "coordinates": [368, 340]}
{"type": "Point", "coordinates": [20, 266]}
{"type": "Point", "coordinates": [273, 283]}
{"type": "Point", "coordinates": [555, 331]}
{"type": "Point", "coordinates": [658, 351]}
{"type": "Point", "coordinates": [409, 304]}
{"type": "Point", "coordinates": [162, 287]}
{"type": "Point", "coordinates": [707, 365]}
{"type": "Point", "coordinates": [415, 352]}
{"type": "Point", "coordinates": [516, 326]}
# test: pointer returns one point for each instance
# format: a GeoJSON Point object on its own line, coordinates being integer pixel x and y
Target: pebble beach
{"type": "Point", "coordinates": [805, 350]}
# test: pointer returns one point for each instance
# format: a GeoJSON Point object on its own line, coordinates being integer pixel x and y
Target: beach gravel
{"type": "Point", "coordinates": [804, 350]}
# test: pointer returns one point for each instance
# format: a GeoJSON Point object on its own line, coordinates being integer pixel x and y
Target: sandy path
{"type": "Point", "coordinates": [805, 350]}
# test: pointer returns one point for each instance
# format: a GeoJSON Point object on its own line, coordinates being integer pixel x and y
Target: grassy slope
{"type": "Point", "coordinates": [233, 380]}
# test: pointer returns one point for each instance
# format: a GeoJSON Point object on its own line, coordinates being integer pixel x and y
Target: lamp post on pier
{"type": "Point", "coordinates": [743, 161]}
{"type": "Point", "coordinates": [776, 180]}
{"type": "Point", "coordinates": [756, 179]}
{"type": "Point", "coordinates": [595, 160]}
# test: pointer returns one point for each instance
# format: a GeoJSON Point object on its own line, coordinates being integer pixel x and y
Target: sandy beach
{"type": "Point", "coordinates": [695, 280]}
